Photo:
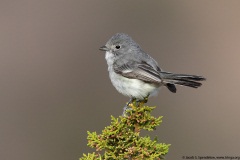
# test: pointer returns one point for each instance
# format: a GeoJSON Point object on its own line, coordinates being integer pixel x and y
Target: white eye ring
{"type": "Point", "coordinates": [117, 47]}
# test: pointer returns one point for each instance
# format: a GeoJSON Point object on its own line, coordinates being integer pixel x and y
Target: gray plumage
{"type": "Point", "coordinates": [135, 74]}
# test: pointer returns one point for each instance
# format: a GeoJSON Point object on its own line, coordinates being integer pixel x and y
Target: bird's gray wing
{"type": "Point", "coordinates": [138, 70]}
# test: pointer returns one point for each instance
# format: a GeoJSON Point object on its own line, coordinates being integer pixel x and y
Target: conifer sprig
{"type": "Point", "coordinates": [121, 139]}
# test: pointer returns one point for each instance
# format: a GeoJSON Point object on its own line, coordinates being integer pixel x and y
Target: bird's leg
{"type": "Point", "coordinates": [126, 107]}
{"type": "Point", "coordinates": [144, 100]}
{"type": "Point", "coordinates": [131, 100]}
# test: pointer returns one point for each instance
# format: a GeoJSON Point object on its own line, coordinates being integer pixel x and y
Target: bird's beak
{"type": "Point", "coordinates": [103, 48]}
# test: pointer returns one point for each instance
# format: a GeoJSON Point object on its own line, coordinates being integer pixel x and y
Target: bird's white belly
{"type": "Point", "coordinates": [132, 87]}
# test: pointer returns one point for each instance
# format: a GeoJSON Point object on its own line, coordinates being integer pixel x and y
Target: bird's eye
{"type": "Point", "coordinates": [117, 47]}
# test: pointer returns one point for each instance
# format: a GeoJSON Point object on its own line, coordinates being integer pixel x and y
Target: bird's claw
{"type": "Point", "coordinates": [138, 103]}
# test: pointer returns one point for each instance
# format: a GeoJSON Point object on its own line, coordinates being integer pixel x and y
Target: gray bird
{"type": "Point", "coordinates": [137, 75]}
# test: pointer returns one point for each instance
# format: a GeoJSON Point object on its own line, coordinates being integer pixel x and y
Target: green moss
{"type": "Point", "coordinates": [121, 139]}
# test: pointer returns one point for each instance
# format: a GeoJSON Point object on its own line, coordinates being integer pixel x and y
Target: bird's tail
{"type": "Point", "coordinates": [170, 79]}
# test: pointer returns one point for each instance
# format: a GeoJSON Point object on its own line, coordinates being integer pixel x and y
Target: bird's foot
{"type": "Point", "coordinates": [131, 101]}
{"type": "Point", "coordinates": [128, 106]}
{"type": "Point", "coordinates": [145, 100]}
{"type": "Point", "coordinates": [142, 101]}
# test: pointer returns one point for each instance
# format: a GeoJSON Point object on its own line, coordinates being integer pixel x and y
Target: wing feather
{"type": "Point", "coordinates": [138, 70]}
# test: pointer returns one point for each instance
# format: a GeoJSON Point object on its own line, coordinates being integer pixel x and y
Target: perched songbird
{"type": "Point", "coordinates": [137, 75]}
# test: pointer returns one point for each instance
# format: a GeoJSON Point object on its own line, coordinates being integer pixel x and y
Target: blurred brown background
{"type": "Point", "coordinates": [54, 84]}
